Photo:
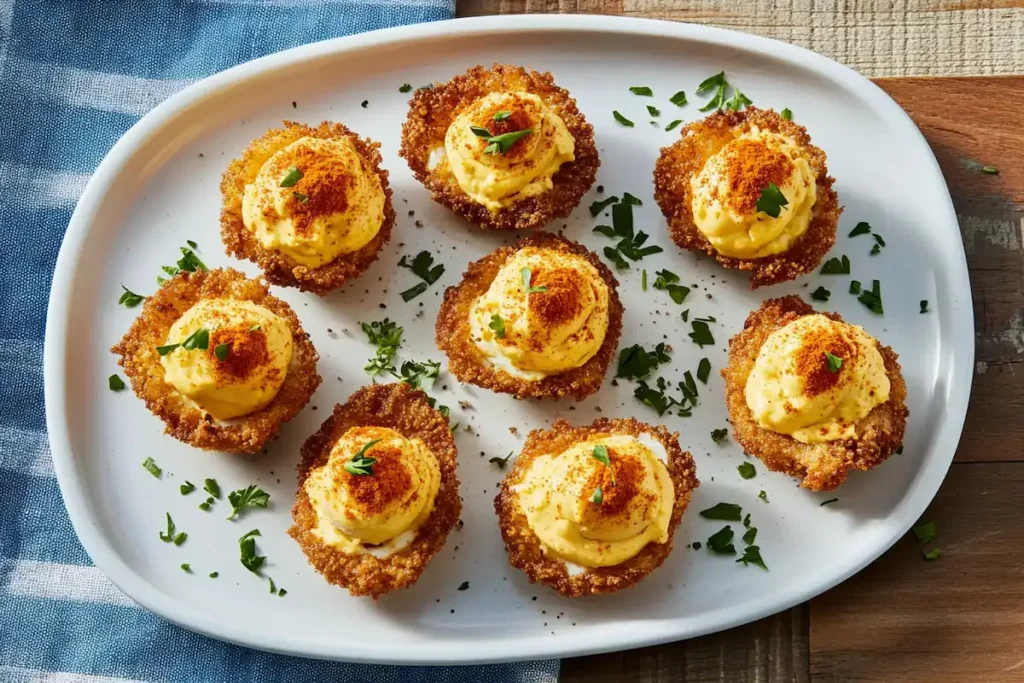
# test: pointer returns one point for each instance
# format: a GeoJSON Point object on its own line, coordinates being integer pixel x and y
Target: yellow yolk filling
{"type": "Point", "coordinates": [792, 390]}
{"type": "Point", "coordinates": [257, 348]}
{"type": "Point", "coordinates": [377, 513]}
{"type": "Point", "coordinates": [557, 493]}
{"type": "Point", "coordinates": [725, 194]}
{"type": "Point", "coordinates": [335, 207]}
{"type": "Point", "coordinates": [545, 332]}
{"type": "Point", "coordinates": [500, 179]}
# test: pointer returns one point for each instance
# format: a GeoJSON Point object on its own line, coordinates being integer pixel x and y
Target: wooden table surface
{"type": "Point", "coordinates": [960, 618]}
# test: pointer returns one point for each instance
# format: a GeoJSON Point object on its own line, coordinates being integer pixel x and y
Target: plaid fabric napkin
{"type": "Point", "coordinates": [74, 76]}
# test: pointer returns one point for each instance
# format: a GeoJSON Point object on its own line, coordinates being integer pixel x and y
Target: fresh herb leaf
{"type": "Point", "coordinates": [821, 294]}
{"type": "Point", "coordinates": [899, 451]}
{"type": "Point", "coordinates": [926, 532]}
{"type": "Point", "coordinates": [168, 536]}
{"type": "Point", "coordinates": [387, 337]}
{"type": "Point", "coordinates": [423, 266]}
{"type": "Point", "coordinates": [293, 176]}
{"type": "Point", "coordinates": [786, 114]}
{"type": "Point", "coordinates": [726, 512]}
{"type": "Point", "coordinates": [701, 334]}
{"type": "Point", "coordinates": [414, 373]}
{"type": "Point", "coordinates": [749, 535]}
{"type": "Point", "coordinates": [643, 280]}
{"type": "Point", "coordinates": [212, 487]}
{"type": "Point", "coordinates": [206, 504]}
{"type": "Point", "coordinates": [718, 83]}
{"type": "Point", "coordinates": [251, 496]}
{"type": "Point", "coordinates": [247, 552]}
{"type": "Point", "coordinates": [597, 497]}
{"type": "Point", "coordinates": [861, 228]}
{"type": "Point", "coordinates": [498, 325]}
{"type": "Point", "coordinates": [115, 383]}
{"type": "Point", "coordinates": [200, 339]}
{"type": "Point", "coordinates": [667, 281]}
{"type": "Point", "coordinates": [738, 101]}
{"type": "Point", "coordinates": [600, 205]}
{"type": "Point", "coordinates": [752, 555]}
{"type": "Point", "coordinates": [875, 250]}
{"type": "Point", "coordinates": [719, 435]}
{"type": "Point", "coordinates": [720, 542]}
{"type": "Point", "coordinates": [500, 462]}
{"type": "Point", "coordinates": [653, 111]}
{"type": "Point", "coordinates": [152, 467]}
{"type": "Point", "coordinates": [673, 125]}
{"type": "Point", "coordinates": [828, 502]}
{"type": "Point", "coordinates": [763, 495]}
{"type": "Point", "coordinates": [933, 554]}
{"type": "Point", "coordinates": [836, 266]}
{"type": "Point", "coordinates": [166, 349]}
{"type": "Point", "coordinates": [772, 200]}
{"type": "Point", "coordinates": [463, 586]}
{"type": "Point", "coordinates": [361, 464]}
{"type": "Point", "coordinates": [130, 299]}
{"type": "Point", "coordinates": [991, 170]}
{"type": "Point", "coordinates": [187, 488]}
{"type": "Point", "coordinates": [501, 115]}
{"type": "Point", "coordinates": [854, 287]}
{"type": "Point", "coordinates": [222, 351]}
{"type": "Point", "coordinates": [501, 144]}
{"type": "Point", "coordinates": [630, 244]}
{"type": "Point", "coordinates": [527, 277]}
{"type": "Point", "coordinates": [186, 567]}
{"type": "Point", "coordinates": [641, 90]}
{"type": "Point", "coordinates": [635, 362]}
{"type": "Point", "coordinates": [747, 470]}
{"type": "Point", "coordinates": [834, 362]}
{"type": "Point", "coordinates": [873, 298]}
{"type": "Point", "coordinates": [214, 575]}
{"type": "Point", "coordinates": [273, 588]}
{"type": "Point", "coordinates": [679, 99]}
{"type": "Point", "coordinates": [405, 87]}
{"type": "Point", "coordinates": [414, 291]}
{"type": "Point", "coordinates": [924, 305]}
{"type": "Point", "coordinates": [704, 370]}
{"type": "Point", "coordinates": [480, 132]}
{"type": "Point", "coordinates": [180, 538]}
{"type": "Point", "coordinates": [746, 520]}
{"type": "Point", "coordinates": [600, 454]}
{"type": "Point", "coordinates": [622, 119]}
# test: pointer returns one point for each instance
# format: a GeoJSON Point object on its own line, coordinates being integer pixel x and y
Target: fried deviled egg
{"type": "Point", "coordinates": [589, 510]}
{"type": "Point", "coordinates": [222, 362]}
{"type": "Point", "coordinates": [503, 147]}
{"type": "Point", "coordinates": [813, 396]}
{"type": "Point", "coordinates": [749, 188]}
{"type": "Point", "coordinates": [540, 318]}
{"type": "Point", "coordinates": [377, 493]}
{"type": "Point", "coordinates": [310, 205]}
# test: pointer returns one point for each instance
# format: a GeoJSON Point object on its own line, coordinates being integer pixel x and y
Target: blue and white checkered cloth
{"type": "Point", "coordinates": [74, 76]}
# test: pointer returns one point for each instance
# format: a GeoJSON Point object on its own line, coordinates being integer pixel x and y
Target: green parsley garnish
{"type": "Point", "coordinates": [899, 451]}
{"type": "Point", "coordinates": [423, 266]}
{"type": "Point", "coordinates": [679, 99]}
{"type": "Point", "coordinates": [991, 170]}
{"type": "Point", "coordinates": [834, 362]}
{"type": "Point", "coordinates": [387, 337]}
{"type": "Point", "coordinates": [622, 119]}
{"type": "Point", "coordinates": [861, 228]}
{"type": "Point", "coordinates": [719, 435]}
{"type": "Point", "coordinates": [924, 305]}
{"type": "Point", "coordinates": [635, 362]}
{"type": "Point", "coordinates": [527, 277]}
{"type": "Point", "coordinates": [152, 467]}
{"type": "Point", "coordinates": [828, 502]}
{"type": "Point", "coordinates": [463, 586]}
{"type": "Point", "coordinates": [643, 280]}
{"type": "Point", "coordinates": [212, 487]}
{"type": "Point", "coordinates": [500, 462]}
{"type": "Point", "coordinates": [738, 101]}
{"type": "Point", "coordinates": [214, 575]}
{"type": "Point", "coordinates": [641, 90]}
{"type": "Point", "coordinates": [200, 339]}
{"type": "Point", "coordinates": [166, 349]}
{"type": "Point", "coordinates": [926, 532]}
{"type": "Point", "coordinates": [821, 294]}
{"type": "Point", "coordinates": [727, 512]}
{"type": "Point", "coordinates": [752, 555]}
{"type": "Point", "coordinates": [786, 114]}
{"type": "Point", "coordinates": [720, 542]}
{"type": "Point", "coordinates": [772, 200]}
{"type": "Point", "coordinates": [667, 281]}
{"type": "Point", "coordinates": [222, 351]}
{"type": "Point", "coordinates": [600, 454]}
{"type": "Point", "coordinates": [273, 588]}
{"type": "Point", "coordinates": [673, 125]}
{"type": "Point", "coordinates": [746, 520]}
{"type": "Point", "coordinates": [251, 496]}
{"type": "Point", "coordinates": [701, 334]}
{"type": "Point", "coordinates": [414, 373]}
{"type": "Point", "coordinates": [653, 111]}
{"type": "Point", "coordinates": [597, 497]}
{"type": "Point", "coordinates": [718, 83]}
{"type": "Point", "coordinates": [187, 488]}
{"type": "Point", "coordinates": [657, 397]}
{"type": "Point", "coordinates": [206, 504]}
{"type": "Point", "coordinates": [704, 370]}
{"type": "Point", "coordinates": [749, 535]}
{"type": "Point", "coordinates": [255, 328]}
{"type": "Point", "coordinates": [130, 299]}
{"type": "Point", "coordinates": [763, 495]}
{"type": "Point", "coordinates": [172, 535]}
{"type": "Point", "coordinates": [188, 262]}
{"type": "Point", "coordinates": [631, 244]}
{"type": "Point", "coordinates": [499, 144]}
{"type": "Point", "coordinates": [115, 383]}
{"type": "Point", "coordinates": [933, 554]}
{"type": "Point", "coordinates": [405, 87]}
{"type": "Point", "coordinates": [873, 298]}
{"type": "Point", "coordinates": [293, 176]}
{"type": "Point", "coordinates": [836, 266]}
{"type": "Point", "coordinates": [187, 568]}
{"type": "Point", "coordinates": [360, 464]}
{"type": "Point", "coordinates": [747, 470]}
{"type": "Point", "coordinates": [854, 286]}
{"type": "Point", "coordinates": [600, 205]}
{"type": "Point", "coordinates": [302, 198]}
{"type": "Point", "coordinates": [247, 551]}
{"type": "Point", "coordinates": [501, 115]}
{"type": "Point", "coordinates": [498, 325]}
{"type": "Point", "coordinates": [180, 538]}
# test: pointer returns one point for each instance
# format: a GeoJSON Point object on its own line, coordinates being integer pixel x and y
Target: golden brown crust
{"type": "Point", "coordinates": [685, 158]}
{"type": "Point", "coordinates": [822, 466]}
{"type": "Point", "coordinates": [468, 364]}
{"type": "Point", "coordinates": [522, 544]}
{"type": "Point", "coordinates": [185, 422]}
{"type": "Point", "coordinates": [279, 269]}
{"type": "Point", "coordinates": [407, 411]}
{"type": "Point", "coordinates": [431, 112]}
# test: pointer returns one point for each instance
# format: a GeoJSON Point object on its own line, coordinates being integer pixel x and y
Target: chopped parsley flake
{"type": "Point", "coordinates": [423, 266]}
{"type": "Point", "coordinates": [834, 362]}
{"type": "Point", "coordinates": [212, 487]}
{"type": "Point", "coordinates": [873, 298]}
{"type": "Point", "coordinates": [726, 512]}
{"type": "Point", "coordinates": [641, 90]}
{"type": "Point", "coordinates": [749, 535]}
{"type": "Point", "coordinates": [752, 555]}
{"type": "Point", "coordinates": [251, 496]}
{"type": "Point", "coordinates": [924, 305]}
{"type": "Point", "coordinates": [498, 325]}
{"type": "Point", "coordinates": [293, 176]}
{"type": "Point", "coordinates": [187, 568]}
{"type": "Point", "coordinates": [414, 373]}
{"type": "Point", "coordinates": [854, 286]}
{"type": "Point", "coordinates": [719, 435]}
{"type": "Point", "coordinates": [673, 125]}
{"type": "Point", "coordinates": [500, 462]}
{"type": "Point", "coordinates": [406, 87]}
{"type": "Point", "coordinates": [600, 454]}
{"type": "Point", "coordinates": [738, 101]}
{"type": "Point", "coordinates": [926, 532]}
{"type": "Point", "coordinates": [786, 114]}
{"type": "Point", "coordinates": [635, 362]}
{"type": "Point", "coordinates": [933, 554]}
{"type": "Point", "coordinates": [653, 111]}
{"type": "Point", "coordinates": [763, 495]}
{"type": "Point", "coordinates": [501, 115]}
{"type": "Point", "coordinates": [747, 470]}
{"type": "Point", "coordinates": [463, 586]}
{"type": "Point", "coordinates": [668, 281]}
{"type": "Point", "coordinates": [302, 198]}
{"type": "Point", "coordinates": [836, 266]}
{"type": "Point", "coordinates": [622, 119]}
{"type": "Point", "coordinates": [214, 575]}
{"type": "Point", "coordinates": [991, 170]}
{"type": "Point", "coordinates": [746, 521]}
{"type": "Point", "coordinates": [387, 337]}
{"type": "Point", "coordinates": [129, 299]}
{"type": "Point", "coordinates": [499, 144]}
{"type": "Point", "coordinates": [643, 280]}
{"type": "Point", "coordinates": [861, 228]}
{"type": "Point", "coordinates": [222, 351]}
{"type": "Point", "coordinates": [720, 542]}
{"type": "Point", "coordinates": [187, 488]}
{"type": "Point", "coordinates": [679, 99]}
{"type": "Point", "coordinates": [718, 84]}
{"type": "Point", "coordinates": [704, 370]}
{"type": "Point", "coordinates": [247, 552]}
{"type": "Point", "coordinates": [360, 464]}
{"type": "Point", "coordinates": [172, 535]}
{"type": "Point", "coordinates": [152, 467]}
{"type": "Point", "coordinates": [772, 200]}
{"type": "Point", "coordinates": [527, 278]}
{"type": "Point", "coordinates": [115, 383]}
{"type": "Point", "coordinates": [821, 294]}
{"type": "Point", "coordinates": [631, 244]}
{"type": "Point", "coordinates": [597, 497]}
{"type": "Point", "coordinates": [828, 502]}
{"type": "Point", "coordinates": [598, 206]}
{"type": "Point", "coordinates": [701, 334]}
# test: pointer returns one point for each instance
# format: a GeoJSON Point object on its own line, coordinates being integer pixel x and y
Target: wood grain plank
{"type": "Point", "coordinates": [960, 618]}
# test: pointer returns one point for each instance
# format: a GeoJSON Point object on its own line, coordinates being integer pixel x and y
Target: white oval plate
{"type": "Point", "coordinates": [158, 188]}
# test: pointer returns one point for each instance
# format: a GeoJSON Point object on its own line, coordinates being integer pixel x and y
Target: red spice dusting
{"type": "Point", "coordinates": [389, 482]}
{"type": "Point", "coordinates": [247, 351]}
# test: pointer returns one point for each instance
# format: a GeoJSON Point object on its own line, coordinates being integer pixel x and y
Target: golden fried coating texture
{"type": "Point", "coordinates": [821, 466]}
{"type": "Point", "coordinates": [185, 422]}
{"type": "Point", "coordinates": [522, 544]}
{"type": "Point", "coordinates": [685, 158]}
{"type": "Point", "coordinates": [240, 242]}
{"type": "Point", "coordinates": [431, 112]}
{"type": "Point", "coordinates": [408, 412]}
{"type": "Point", "coordinates": [468, 364]}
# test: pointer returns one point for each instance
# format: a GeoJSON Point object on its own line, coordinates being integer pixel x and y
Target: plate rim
{"type": "Point", "coordinates": [80, 510]}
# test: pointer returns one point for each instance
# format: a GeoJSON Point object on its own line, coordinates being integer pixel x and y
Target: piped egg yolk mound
{"type": "Point", "coordinates": [793, 389]}
{"type": "Point", "coordinates": [496, 177]}
{"type": "Point", "coordinates": [557, 326]}
{"type": "Point", "coordinates": [244, 364]}
{"type": "Point", "coordinates": [314, 200]}
{"type": "Point", "coordinates": [557, 496]}
{"type": "Point", "coordinates": [380, 511]}
{"type": "Point", "coordinates": [726, 191]}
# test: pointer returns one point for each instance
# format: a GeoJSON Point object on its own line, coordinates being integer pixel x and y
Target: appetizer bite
{"type": "Point", "coordinates": [588, 510]}
{"type": "Point", "coordinates": [540, 318]}
{"type": "Point", "coordinates": [311, 206]}
{"type": "Point", "coordinates": [503, 147]}
{"type": "Point", "coordinates": [813, 396]}
{"type": "Point", "coordinates": [378, 493]}
{"type": "Point", "coordinates": [749, 188]}
{"type": "Point", "coordinates": [222, 362]}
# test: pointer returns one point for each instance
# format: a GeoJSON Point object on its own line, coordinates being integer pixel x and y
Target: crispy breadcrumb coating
{"type": "Point", "coordinates": [431, 112]}
{"type": "Point", "coordinates": [468, 364]}
{"type": "Point", "coordinates": [522, 544]}
{"type": "Point", "coordinates": [821, 466]}
{"type": "Point", "coordinates": [186, 422]}
{"type": "Point", "coordinates": [407, 411]}
{"type": "Point", "coordinates": [685, 158]}
{"type": "Point", "coordinates": [240, 242]}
